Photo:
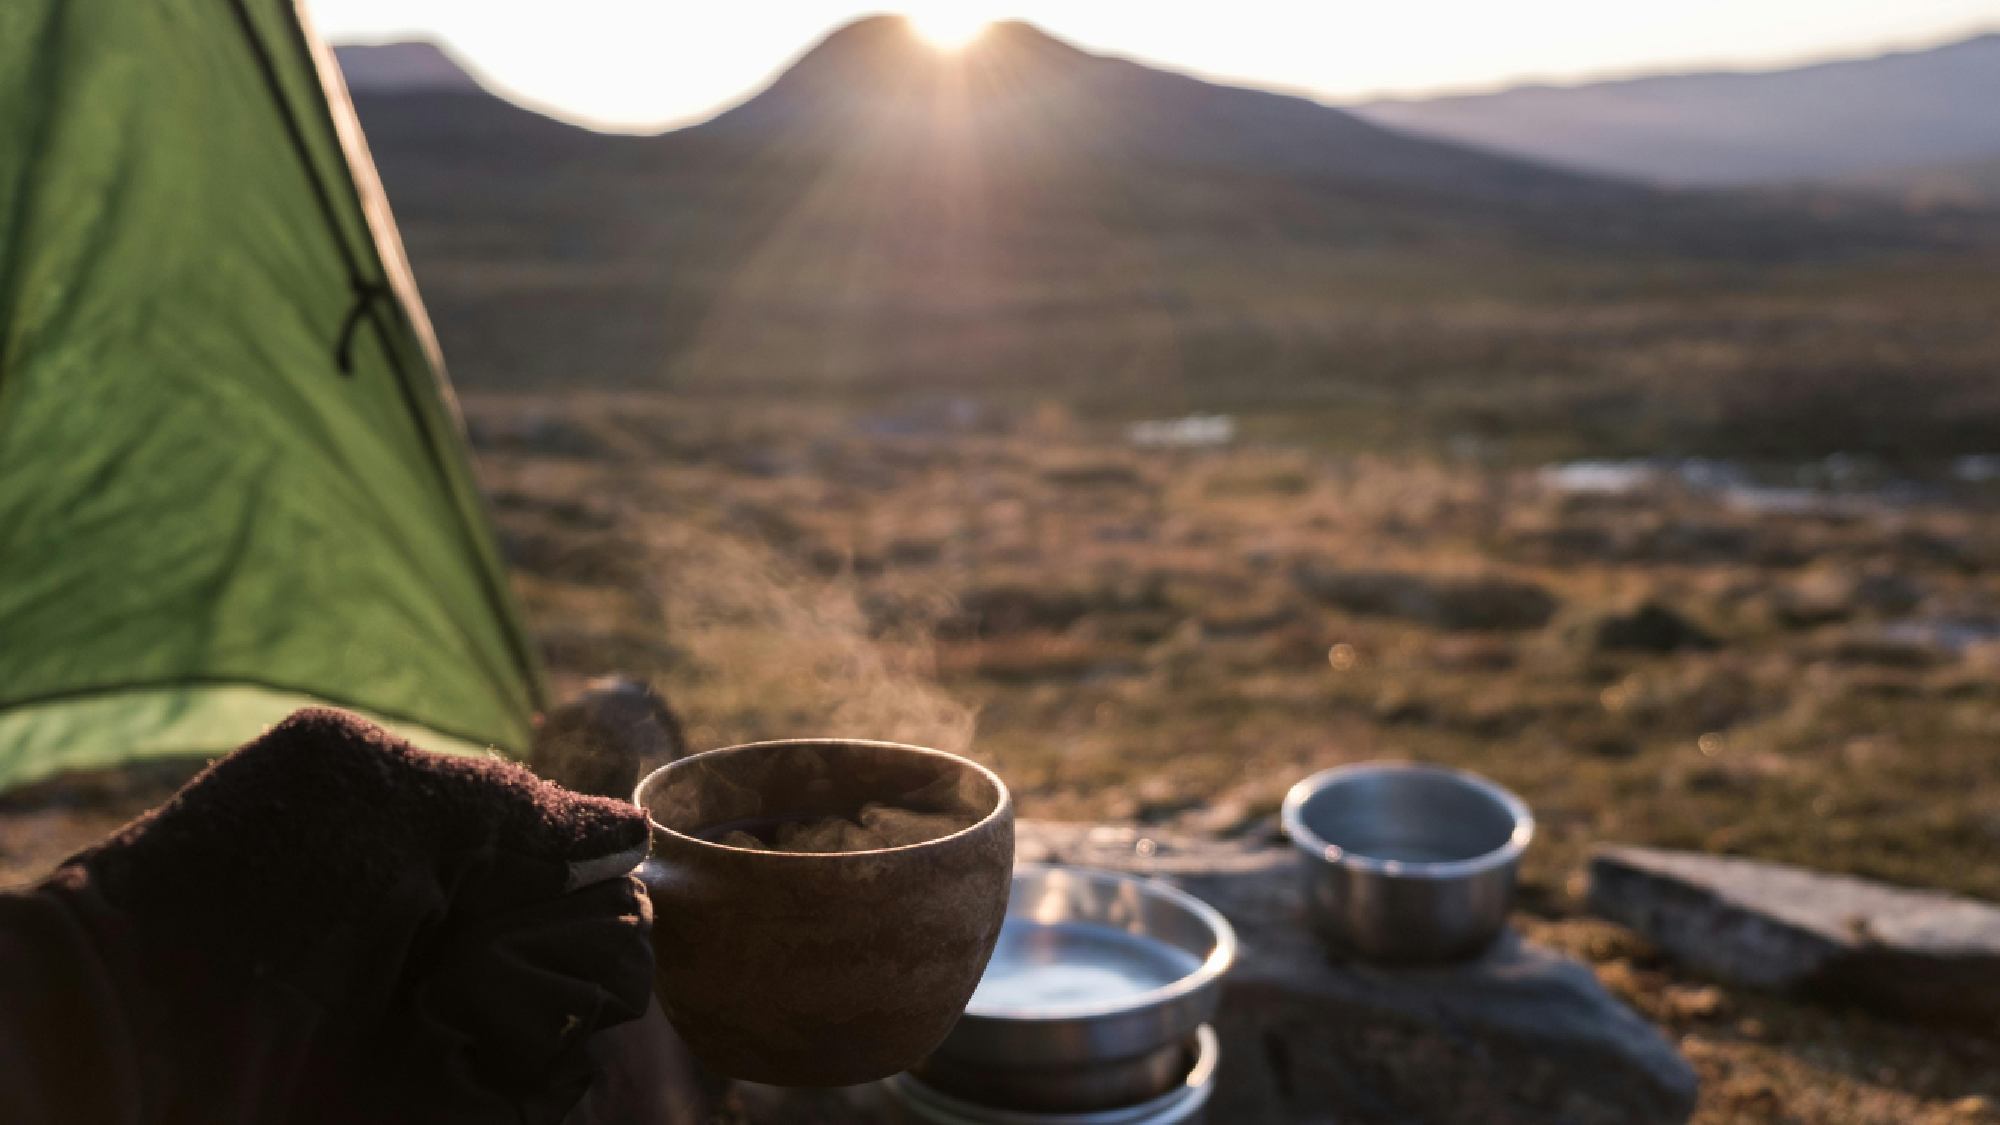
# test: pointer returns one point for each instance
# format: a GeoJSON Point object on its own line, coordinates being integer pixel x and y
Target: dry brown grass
{"type": "Point", "coordinates": [1127, 634]}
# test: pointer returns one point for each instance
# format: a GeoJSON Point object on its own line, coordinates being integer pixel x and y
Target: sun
{"type": "Point", "coordinates": [948, 24]}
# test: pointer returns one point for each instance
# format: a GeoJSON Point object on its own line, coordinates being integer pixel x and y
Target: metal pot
{"type": "Point", "coordinates": [1405, 862]}
{"type": "Point", "coordinates": [1093, 993]}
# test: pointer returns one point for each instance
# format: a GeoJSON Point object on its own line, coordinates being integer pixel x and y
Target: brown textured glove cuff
{"type": "Point", "coordinates": [329, 922]}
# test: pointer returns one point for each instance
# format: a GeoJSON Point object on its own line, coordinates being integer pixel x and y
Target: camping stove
{"type": "Point", "coordinates": [919, 1103]}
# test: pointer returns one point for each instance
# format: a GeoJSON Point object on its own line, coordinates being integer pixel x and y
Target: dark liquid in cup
{"type": "Point", "coordinates": [874, 826]}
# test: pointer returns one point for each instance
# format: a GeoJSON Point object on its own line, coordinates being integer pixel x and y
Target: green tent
{"type": "Point", "coordinates": [232, 478]}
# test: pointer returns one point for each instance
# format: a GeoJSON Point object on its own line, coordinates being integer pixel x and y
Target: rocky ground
{"type": "Point", "coordinates": [1173, 636]}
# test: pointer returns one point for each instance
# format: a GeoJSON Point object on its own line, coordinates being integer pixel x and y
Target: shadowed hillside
{"type": "Point", "coordinates": [1971, 185]}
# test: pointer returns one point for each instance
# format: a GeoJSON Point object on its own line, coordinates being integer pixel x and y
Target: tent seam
{"type": "Point", "coordinates": [498, 598]}
{"type": "Point", "coordinates": [521, 654]}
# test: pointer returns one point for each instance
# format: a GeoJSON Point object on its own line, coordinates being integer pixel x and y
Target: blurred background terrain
{"type": "Point", "coordinates": [1634, 443]}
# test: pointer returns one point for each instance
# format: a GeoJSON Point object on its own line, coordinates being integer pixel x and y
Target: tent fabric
{"type": "Point", "coordinates": [232, 477]}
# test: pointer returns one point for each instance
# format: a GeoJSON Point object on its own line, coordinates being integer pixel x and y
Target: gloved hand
{"type": "Point", "coordinates": [599, 741]}
{"type": "Point", "coordinates": [330, 925]}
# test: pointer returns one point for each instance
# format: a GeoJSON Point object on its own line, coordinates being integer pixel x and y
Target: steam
{"type": "Point", "coordinates": [769, 650]}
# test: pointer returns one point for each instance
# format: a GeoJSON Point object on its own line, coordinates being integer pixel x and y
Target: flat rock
{"type": "Point", "coordinates": [1915, 953]}
{"type": "Point", "coordinates": [1520, 1035]}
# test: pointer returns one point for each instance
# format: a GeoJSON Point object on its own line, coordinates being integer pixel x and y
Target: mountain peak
{"type": "Point", "coordinates": [875, 47]}
{"type": "Point", "coordinates": [901, 28]}
{"type": "Point", "coordinates": [882, 65]}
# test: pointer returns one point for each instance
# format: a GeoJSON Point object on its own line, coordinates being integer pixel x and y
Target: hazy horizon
{"type": "Point", "coordinates": [663, 70]}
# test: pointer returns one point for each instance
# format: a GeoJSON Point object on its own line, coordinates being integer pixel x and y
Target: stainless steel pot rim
{"type": "Point", "coordinates": [1182, 1100]}
{"type": "Point", "coordinates": [1292, 817]}
{"type": "Point", "coordinates": [1001, 808]}
{"type": "Point", "coordinates": [1211, 970]}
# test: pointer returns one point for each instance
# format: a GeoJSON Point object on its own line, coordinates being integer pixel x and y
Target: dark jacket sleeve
{"type": "Point", "coordinates": [66, 1048]}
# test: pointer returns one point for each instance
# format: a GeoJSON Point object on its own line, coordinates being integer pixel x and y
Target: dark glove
{"type": "Point", "coordinates": [330, 925]}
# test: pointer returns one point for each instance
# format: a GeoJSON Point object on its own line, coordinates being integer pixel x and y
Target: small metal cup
{"type": "Point", "coordinates": [1404, 862]}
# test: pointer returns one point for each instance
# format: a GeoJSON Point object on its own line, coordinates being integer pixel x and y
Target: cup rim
{"type": "Point", "coordinates": [1001, 807]}
{"type": "Point", "coordinates": [1292, 819]}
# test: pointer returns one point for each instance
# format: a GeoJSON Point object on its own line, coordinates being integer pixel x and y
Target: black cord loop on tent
{"type": "Point", "coordinates": [357, 280]}
{"type": "Point", "coordinates": [365, 296]}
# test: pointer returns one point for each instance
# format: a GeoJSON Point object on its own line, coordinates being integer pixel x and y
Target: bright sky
{"type": "Point", "coordinates": [648, 63]}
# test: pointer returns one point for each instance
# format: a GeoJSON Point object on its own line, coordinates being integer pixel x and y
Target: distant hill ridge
{"type": "Point", "coordinates": [1019, 91]}
{"type": "Point", "coordinates": [1828, 121]}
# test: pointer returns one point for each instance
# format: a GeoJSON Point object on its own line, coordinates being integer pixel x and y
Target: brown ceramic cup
{"type": "Point", "coordinates": [822, 969]}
